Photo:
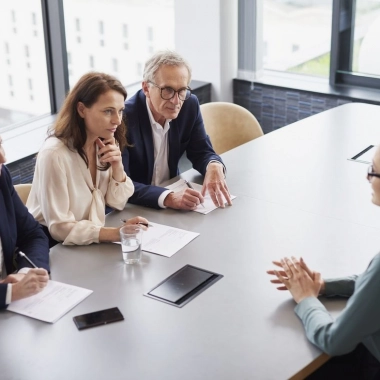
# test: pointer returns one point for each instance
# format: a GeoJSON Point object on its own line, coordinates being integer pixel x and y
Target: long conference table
{"type": "Point", "coordinates": [297, 194]}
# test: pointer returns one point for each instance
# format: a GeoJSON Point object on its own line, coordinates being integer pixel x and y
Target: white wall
{"type": "Point", "coordinates": [206, 35]}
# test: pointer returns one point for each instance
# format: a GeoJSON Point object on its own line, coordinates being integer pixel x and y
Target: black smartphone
{"type": "Point", "coordinates": [98, 318]}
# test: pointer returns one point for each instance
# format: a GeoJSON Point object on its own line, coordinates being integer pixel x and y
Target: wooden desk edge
{"type": "Point", "coordinates": [309, 369]}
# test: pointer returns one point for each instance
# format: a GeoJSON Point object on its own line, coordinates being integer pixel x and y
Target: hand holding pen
{"type": "Point", "coordinates": [137, 220]}
{"type": "Point", "coordinates": [188, 184]}
{"type": "Point", "coordinates": [184, 199]}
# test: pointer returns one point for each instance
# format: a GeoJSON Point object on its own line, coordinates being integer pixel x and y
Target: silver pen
{"type": "Point", "coordinates": [192, 188]}
{"type": "Point", "coordinates": [22, 254]}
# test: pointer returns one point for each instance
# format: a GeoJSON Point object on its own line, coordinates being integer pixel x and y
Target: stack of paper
{"type": "Point", "coordinates": [52, 303]}
{"type": "Point", "coordinates": [165, 240]}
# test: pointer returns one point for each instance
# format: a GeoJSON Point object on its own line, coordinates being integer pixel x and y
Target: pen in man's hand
{"type": "Point", "coordinates": [142, 223]}
{"type": "Point", "coordinates": [22, 254]}
{"type": "Point", "coordinates": [191, 187]}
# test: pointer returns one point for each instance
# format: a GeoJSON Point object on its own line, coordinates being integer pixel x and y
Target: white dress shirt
{"type": "Point", "coordinates": [161, 171]}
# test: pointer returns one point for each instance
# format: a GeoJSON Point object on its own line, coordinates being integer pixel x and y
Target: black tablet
{"type": "Point", "coordinates": [365, 156]}
{"type": "Point", "coordinates": [183, 285]}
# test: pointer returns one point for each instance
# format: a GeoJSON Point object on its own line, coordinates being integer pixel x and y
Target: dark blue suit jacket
{"type": "Point", "coordinates": [19, 229]}
{"type": "Point", "coordinates": [186, 133]}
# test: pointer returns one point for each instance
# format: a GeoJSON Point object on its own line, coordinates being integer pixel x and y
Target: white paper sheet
{"type": "Point", "coordinates": [208, 203]}
{"type": "Point", "coordinates": [52, 303]}
{"type": "Point", "coordinates": [165, 240]}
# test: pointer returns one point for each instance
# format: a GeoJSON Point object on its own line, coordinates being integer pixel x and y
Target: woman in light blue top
{"type": "Point", "coordinates": [355, 334]}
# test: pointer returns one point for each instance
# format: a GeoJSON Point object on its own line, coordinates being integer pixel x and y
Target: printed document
{"type": "Point", "coordinates": [208, 203]}
{"type": "Point", "coordinates": [165, 240]}
{"type": "Point", "coordinates": [52, 303]}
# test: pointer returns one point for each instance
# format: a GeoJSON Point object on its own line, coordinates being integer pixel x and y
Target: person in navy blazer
{"type": "Point", "coordinates": [19, 230]}
{"type": "Point", "coordinates": [164, 121]}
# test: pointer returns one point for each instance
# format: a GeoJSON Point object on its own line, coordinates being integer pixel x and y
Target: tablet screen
{"type": "Point", "coordinates": [181, 283]}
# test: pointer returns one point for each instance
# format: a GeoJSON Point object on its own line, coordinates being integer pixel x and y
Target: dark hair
{"type": "Point", "coordinates": [70, 127]}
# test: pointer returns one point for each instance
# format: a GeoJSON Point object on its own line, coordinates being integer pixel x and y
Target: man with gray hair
{"type": "Point", "coordinates": [164, 121]}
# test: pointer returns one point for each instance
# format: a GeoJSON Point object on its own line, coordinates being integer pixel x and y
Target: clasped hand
{"type": "Point", "coordinates": [296, 277]}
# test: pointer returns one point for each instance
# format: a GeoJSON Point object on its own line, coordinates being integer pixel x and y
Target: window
{"type": "Point", "coordinates": [92, 61]}
{"type": "Point", "coordinates": [356, 59]}
{"type": "Point", "coordinates": [21, 49]}
{"type": "Point", "coordinates": [139, 67]}
{"type": "Point", "coordinates": [123, 29]}
{"type": "Point", "coordinates": [297, 36]}
{"type": "Point", "coordinates": [335, 40]}
{"type": "Point", "coordinates": [366, 48]}
{"type": "Point", "coordinates": [115, 66]}
{"type": "Point", "coordinates": [150, 33]}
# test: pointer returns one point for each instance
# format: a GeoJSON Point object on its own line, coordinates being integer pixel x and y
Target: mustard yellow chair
{"type": "Point", "coordinates": [23, 191]}
{"type": "Point", "coordinates": [229, 125]}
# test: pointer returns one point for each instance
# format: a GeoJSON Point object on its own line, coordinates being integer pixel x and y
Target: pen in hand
{"type": "Point", "coordinates": [22, 254]}
{"type": "Point", "coordinates": [192, 188]}
{"type": "Point", "coordinates": [143, 224]}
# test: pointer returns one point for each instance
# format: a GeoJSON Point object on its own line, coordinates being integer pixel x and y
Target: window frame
{"type": "Point", "coordinates": [342, 42]}
{"type": "Point", "coordinates": [341, 54]}
{"type": "Point", "coordinates": [56, 52]}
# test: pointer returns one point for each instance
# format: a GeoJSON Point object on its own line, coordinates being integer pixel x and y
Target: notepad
{"type": "Point", "coordinates": [52, 303]}
{"type": "Point", "coordinates": [165, 240]}
{"type": "Point", "coordinates": [208, 203]}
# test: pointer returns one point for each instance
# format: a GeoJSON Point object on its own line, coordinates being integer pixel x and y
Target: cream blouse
{"type": "Point", "coordinates": [64, 199]}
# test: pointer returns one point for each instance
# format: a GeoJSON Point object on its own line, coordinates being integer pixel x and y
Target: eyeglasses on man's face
{"type": "Point", "coordinates": [371, 173]}
{"type": "Point", "coordinates": [168, 93]}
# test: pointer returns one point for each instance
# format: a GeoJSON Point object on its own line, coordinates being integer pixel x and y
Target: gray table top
{"type": "Point", "coordinates": [241, 327]}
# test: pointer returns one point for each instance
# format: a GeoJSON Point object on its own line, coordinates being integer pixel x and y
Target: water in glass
{"type": "Point", "coordinates": [131, 250]}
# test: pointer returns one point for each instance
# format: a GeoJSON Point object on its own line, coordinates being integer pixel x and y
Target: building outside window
{"type": "Point", "coordinates": [124, 29]}
{"type": "Point", "coordinates": [366, 47]}
{"type": "Point", "coordinates": [23, 50]}
{"type": "Point", "coordinates": [297, 36]}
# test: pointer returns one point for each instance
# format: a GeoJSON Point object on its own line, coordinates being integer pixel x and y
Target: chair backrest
{"type": "Point", "coordinates": [23, 191]}
{"type": "Point", "coordinates": [229, 125]}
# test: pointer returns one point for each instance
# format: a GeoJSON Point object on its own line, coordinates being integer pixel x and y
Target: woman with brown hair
{"type": "Point", "coordinates": [79, 168]}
